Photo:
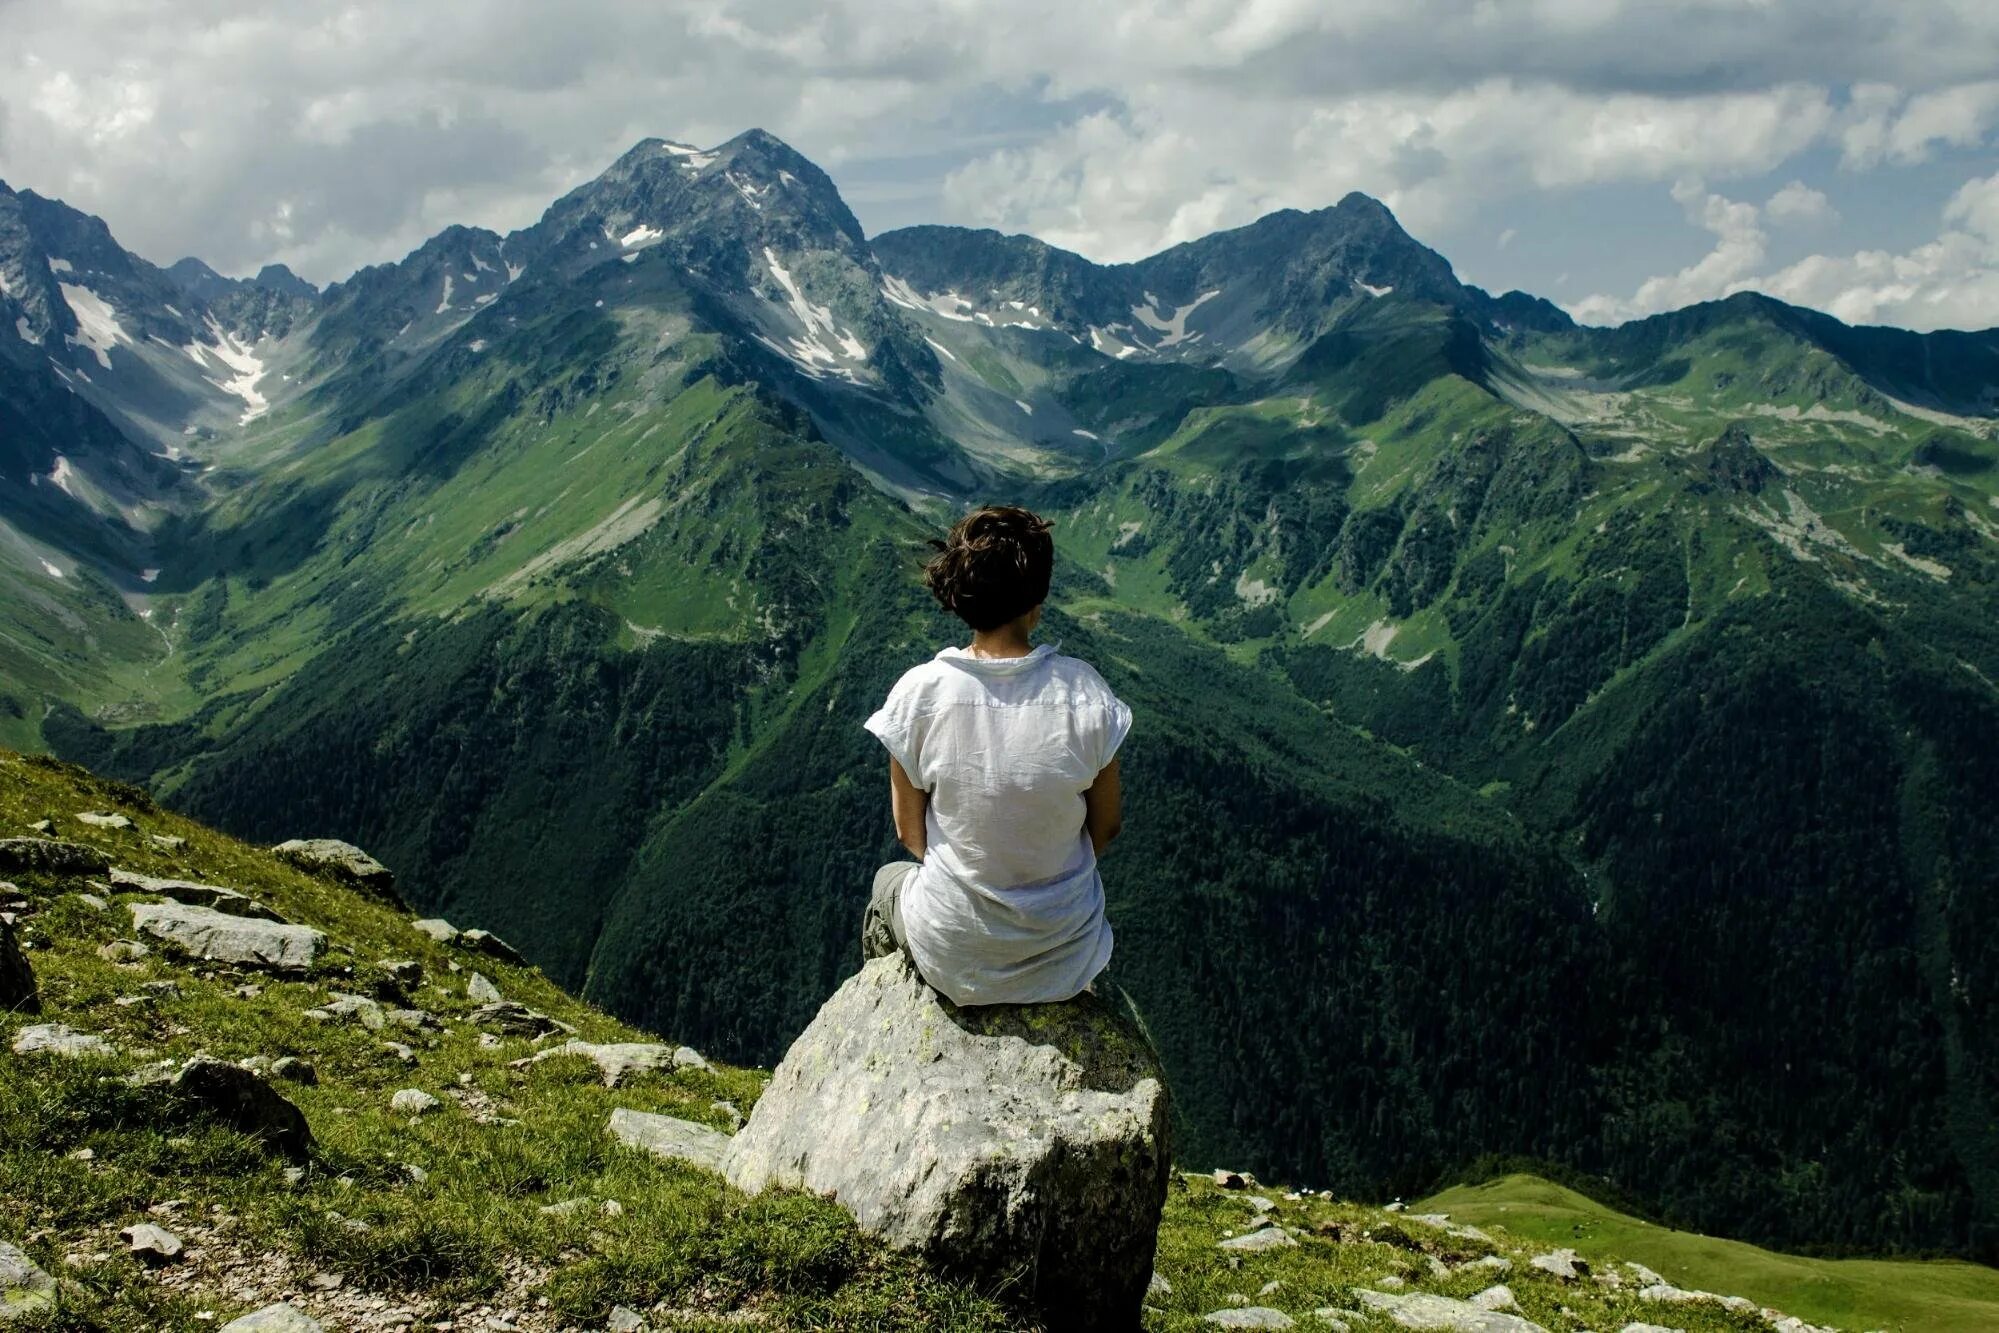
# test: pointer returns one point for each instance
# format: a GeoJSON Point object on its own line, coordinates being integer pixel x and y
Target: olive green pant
{"type": "Point", "coordinates": [881, 927]}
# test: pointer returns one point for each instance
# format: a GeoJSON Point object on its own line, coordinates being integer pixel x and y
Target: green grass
{"type": "Point", "coordinates": [1942, 1296]}
{"type": "Point", "coordinates": [445, 1212]}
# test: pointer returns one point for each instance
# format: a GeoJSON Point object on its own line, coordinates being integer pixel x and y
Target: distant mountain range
{"type": "Point", "coordinates": [1555, 743]}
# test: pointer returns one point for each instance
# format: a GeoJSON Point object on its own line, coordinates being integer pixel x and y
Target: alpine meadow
{"type": "Point", "coordinates": [1559, 749]}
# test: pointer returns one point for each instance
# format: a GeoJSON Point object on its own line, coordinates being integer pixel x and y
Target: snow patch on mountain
{"type": "Point", "coordinates": [445, 304]}
{"type": "Point", "coordinates": [940, 347]}
{"type": "Point", "coordinates": [1371, 289]}
{"type": "Point", "coordinates": [1024, 406]}
{"type": "Point", "coordinates": [55, 571]}
{"type": "Point", "coordinates": [481, 265]}
{"type": "Point", "coordinates": [640, 235]}
{"type": "Point", "coordinates": [97, 324]}
{"type": "Point", "coordinates": [825, 343]}
{"type": "Point", "coordinates": [752, 193]}
{"type": "Point", "coordinates": [249, 369]}
{"type": "Point", "coordinates": [694, 159]}
{"type": "Point", "coordinates": [28, 335]}
{"type": "Point", "coordinates": [60, 266]}
{"type": "Point", "coordinates": [1102, 340]}
{"type": "Point", "coordinates": [1174, 328]}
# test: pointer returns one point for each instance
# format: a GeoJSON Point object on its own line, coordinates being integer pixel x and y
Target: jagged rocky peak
{"type": "Point", "coordinates": [76, 287]}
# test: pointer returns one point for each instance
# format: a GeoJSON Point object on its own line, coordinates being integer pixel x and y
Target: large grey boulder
{"type": "Point", "coordinates": [46, 856]}
{"type": "Point", "coordinates": [240, 1098]}
{"type": "Point", "coordinates": [220, 938]}
{"type": "Point", "coordinates": [343, 861]}
{"type": "Point", "coordinates": [230, 902]}
{"type": "Point", "coordinates": [24, 1287]}
{"type": "Point", "coordinates": [17, 980]}
{"type": "Point", "coordinates": [1025, 1145]}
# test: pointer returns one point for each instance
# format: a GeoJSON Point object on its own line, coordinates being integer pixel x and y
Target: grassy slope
{"type": "Point", "coordinates": [1860, 1293]}
{"type": "Point", "coordinates": [467, 1232]}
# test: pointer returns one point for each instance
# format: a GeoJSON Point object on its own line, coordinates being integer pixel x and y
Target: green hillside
{"type": "Point", "coordinates": [508, 1199]}
{"type": "Point", "coordinates": [1943, 1296]}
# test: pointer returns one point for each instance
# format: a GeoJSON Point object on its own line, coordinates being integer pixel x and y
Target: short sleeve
{"type": "Point", "coordinates": [891, 725]}
{"type": "Point", "coordinates": [1117, 725]}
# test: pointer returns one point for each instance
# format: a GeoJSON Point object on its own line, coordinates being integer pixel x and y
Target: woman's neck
{"type": "Point", "coordinates": [1006, 641]}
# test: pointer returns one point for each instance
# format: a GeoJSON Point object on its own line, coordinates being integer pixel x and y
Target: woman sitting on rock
{"type": "Point", "coordinates": [1003, 780]}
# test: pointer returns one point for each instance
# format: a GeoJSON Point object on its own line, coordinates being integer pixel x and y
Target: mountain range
{"type": "Point", "coordinates": [1555, 743]}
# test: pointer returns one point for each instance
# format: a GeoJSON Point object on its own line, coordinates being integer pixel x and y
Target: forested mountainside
{"type": "Point", "coordinates": [1553, 742]}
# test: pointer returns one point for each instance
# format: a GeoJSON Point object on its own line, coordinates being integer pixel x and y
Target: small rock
{"type": "Point", "coordinates": [295, 1070]}
{"type": "Point", "coordinates": [403, 971]}
{"type": "Point", "coordinates": [1421, 1310]}
{"type": "Point", "coordinates": [1158, 1286]}
{"type": "Point", "coordinates": [59, 1039]}
{"type": "Point", "coordinates": [343, 861]}
{"type": "Point", "coordinates": [170, 841]}
{"type": "Point", "coordinates": [1269, 1238]}
{"type": "Point", "coordinates": [93, 902]}
{"type": "Point", "coordinates": [327, 1281]}
{"type": "Point", "coordinates": [515, 1019]}
{"type": "Point", "coordinates": [730, 1110]}
{"type": "Point", "coordinates": [665, 1136]}
{"type": "Point", "coordinates": [43, 826]}
{"type": "Point", "coordinates": [436, 928]}
{"type": "Point", "coordinates": [84, 1155]}
{"type": "Point", "coordinates": [1258, 1202]}
{"type": "Point", "coordinates": [486, 942]}
{"type": "Point", "coordinates": [615, 1060]}
{"type": "Point", "coordinates": [242, 1099]}
{"type": "Point", "coordinates": [489, 1042]}
{"type": "Point", "coordinates": [481, 991]}
{"type": "Point", "coordinates": [1249, 1316]}
{"type": "Point", "coordinates": [686, 1057]}
{"type": "Point", "coordinates": [122, 951]}
{"type": "Point", "coordinates": [1269, 1289]}
{"type": "Point", "coordinates": [406, 1054]}
{"type": "Point", "coordinates": [1496, 1298]}
{"type": "Point", "coordinates": [1229, 1180]}
{"type": "Point", "coordinates": [49, 857]}
{"type": "Point", "coordinates": [294, 1175]}
{"type": "Point", "coordinates": [279, 1318]}
{"type": "Point", "coordinates": [413, 1102]}
{"type": "Point", "coordinates": [1649, 1328]}
{"type": "Point", "coordinates": [24, 1287]}
{"type": "Point", "coordinates": [155, 1245]}
{"type": "Point", "coordinates": [1334, 1318]}
{"type": "Point", "coordinates": [567, 1208]}
{"type": "Point", "coordinates": [1564, 1264]}
{"type": "Point", "coordinates": [100, 819]}
{"type": "Point", "coordinates": [624, 1319]}
{"type": "Point", "coordinates": [610, 1208]}
{"type": "Point", "coordinates": [360, 1008]}
{"type": "Point", "coordinates": [1498, 1263]}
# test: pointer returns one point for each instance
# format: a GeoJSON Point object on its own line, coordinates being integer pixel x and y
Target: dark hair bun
{"type": "Point", "coordinates": [994, 567]}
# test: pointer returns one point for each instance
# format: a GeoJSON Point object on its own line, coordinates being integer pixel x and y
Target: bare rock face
{"type": "Point", "coordinates": [220, 938]}
{"type": "Point", "coordinates": [17, 980]}
{"type": "Point", "coordinates": [47, 856]}
{"type": "Point", "coordinates": [1004, 1142]}
{"type": "Point", "coordinates": [241, 1098]}
{"type": "Point", "coordinates": [343, 861]}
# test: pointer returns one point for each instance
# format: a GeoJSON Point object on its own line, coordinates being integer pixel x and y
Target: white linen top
{"type": "Point", "coordinates": [1008, 907]}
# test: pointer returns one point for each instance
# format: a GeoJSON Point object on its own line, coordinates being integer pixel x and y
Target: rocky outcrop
{"type": "Point", "coordinates": [241, 1099]}
{"type": "Point", "coordinates": [46, 856]}
{"type": "Point", "coordinates": [17, 980]}
{"type": "Point", "coordinates": [1017, 1145]}
{"type": "Point", "coordinates": [617, 1061]}
{"type": "Point", "coordinates": [218, 937]}
{"type": "Point", "coordinates": [341, 861]}
{"type": "Point", "coordinates": [229, 902]}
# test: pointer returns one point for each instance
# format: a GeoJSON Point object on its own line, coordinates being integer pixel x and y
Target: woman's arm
{"type": "Point", "coordinates": [907, 802]}
{"type": "Point", "coordinates": [1103, 808]}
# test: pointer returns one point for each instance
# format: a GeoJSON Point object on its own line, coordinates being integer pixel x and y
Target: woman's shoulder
{"type": "Point", "coordinates": [1084, 680]}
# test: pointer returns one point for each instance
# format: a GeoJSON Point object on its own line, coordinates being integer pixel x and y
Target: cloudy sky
{"type": "Point", "coordinates": [1618, 156]}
